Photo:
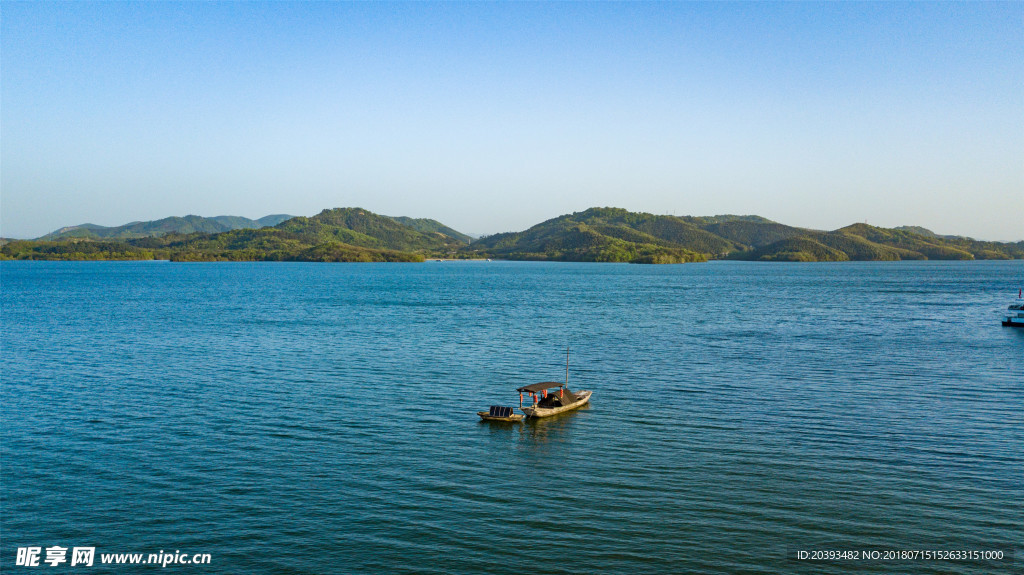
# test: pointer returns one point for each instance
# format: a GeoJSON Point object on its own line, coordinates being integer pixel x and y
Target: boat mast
{"type": "Point", "coordinates": [567, 366]}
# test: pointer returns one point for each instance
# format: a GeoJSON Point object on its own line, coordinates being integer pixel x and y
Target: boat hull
{"type": "Point", "coordinates": [486, 416]}
{"type": "Point", "coordinates": [535, 412]}
{"type": "Point", "coordinates": [1012, 323]}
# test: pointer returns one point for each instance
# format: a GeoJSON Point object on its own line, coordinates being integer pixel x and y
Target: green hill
{"type": "Point", "coordinates": [917, 230]}
{"type": "Point", "coordinates": [721, 219]}
{"type": "Point", "coordinates": [613, 234]}
{"type": "Point", "coordinates": [340, 234]}
{"type": "Point", "coordinates": [272, 220]}
{"type": "Point", "coordinates": [363, 228]}
{"type": "Point", "coordinates": [270, 244]}
{"type": "Point", "coordinates": [593, 235]}
{"type": "Point", "coordinates": [870, 243]}
{"type": "Point", "coordinates": [799, 249]}
{"type": "Point", "coordinates": [429, 226]}
{"type": "Point", "coordinates": [171, 225]}
{"type": "Point", "coordinates": [930, 247]}
{"type": "Point", "coordinates": [753, 234]}
{"type": "Point", "coordinates": [606, 235]}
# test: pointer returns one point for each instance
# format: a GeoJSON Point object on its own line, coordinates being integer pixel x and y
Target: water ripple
{"type": "Point", "coordinates": [320, 418]}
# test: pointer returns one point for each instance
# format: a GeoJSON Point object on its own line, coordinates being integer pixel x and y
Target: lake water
{"type": "Point", "coordinates": [321, 418]}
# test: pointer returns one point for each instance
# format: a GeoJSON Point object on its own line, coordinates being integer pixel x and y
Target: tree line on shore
{"type": "Point", "coordinates": [593, 235]}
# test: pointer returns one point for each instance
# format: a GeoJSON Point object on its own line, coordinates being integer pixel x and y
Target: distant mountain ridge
{"type": "Point", "coordinates": [618, 235]}
{"type": "Point", "coordinates": [335, 235]}
{"type": "Point", "coordinates": [593, 235]}
{"type": "Point", "coordinates": [613, 234]}
{"type": "Point", "coordinates": [869, 243]}
{"type": "Point", "coordinates": [928, 233]}
{"type": "Point", "coordinates": [172, 225]}
{"type": "Point", "coordinates": [426, 225]}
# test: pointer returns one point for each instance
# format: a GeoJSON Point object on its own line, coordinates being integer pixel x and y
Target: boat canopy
{"type": "Point", "coordinates": [558, 400]}
{"type": "Point", "coordinates": [540, 386]}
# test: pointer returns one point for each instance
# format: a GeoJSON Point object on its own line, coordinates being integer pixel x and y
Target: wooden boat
{"type": "Point", "coordinates": [500, 413]}
{"type": "Point", "coordinates": [547, 402]}
{"type": "Point", "coordinates": [553, 403]}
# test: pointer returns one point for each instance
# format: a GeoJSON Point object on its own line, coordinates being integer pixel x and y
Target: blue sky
{"type": "Point", "coordinates": [492, 117]}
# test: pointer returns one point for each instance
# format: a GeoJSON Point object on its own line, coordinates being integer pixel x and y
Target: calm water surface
{"type": "Point", "coordinates": [320, 418]}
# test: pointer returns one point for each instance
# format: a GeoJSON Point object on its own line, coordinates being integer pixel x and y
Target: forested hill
{"type": "Point", "coordinates": [612, 234]}
{"type": "Point", "coordinates": [172, 225]}
{"type": "Point", "coordinates": [593, 235]}
{"type": "Point", "coordinates": [341, 234]}
{"type": "Point", "coordinates": [364, 228]}
{"type": "Point", "coordinates": [870, 243]}
{"type": "Point", "coordinates": [618, 235]}
{"type": "Point", "coordinates": [426, 225]}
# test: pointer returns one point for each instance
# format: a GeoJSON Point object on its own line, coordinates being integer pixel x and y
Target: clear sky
{"type": "Point", "coordinates": [492, 117]}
